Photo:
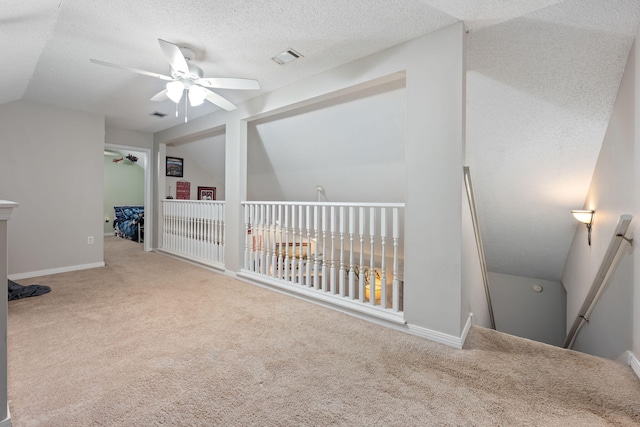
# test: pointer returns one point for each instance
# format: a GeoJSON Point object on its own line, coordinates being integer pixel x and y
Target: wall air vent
{"type": "Point", "coordinates": [158, 114]}
{"type": "Point", "coordinates": [286, 56]}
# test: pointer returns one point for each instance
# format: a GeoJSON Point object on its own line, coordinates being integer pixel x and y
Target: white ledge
{"type": "Point", "coordinates": [6, 208]}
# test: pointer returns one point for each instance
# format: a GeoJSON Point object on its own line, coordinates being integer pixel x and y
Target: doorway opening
{"type": "Point", "coordinates": [127, 183]}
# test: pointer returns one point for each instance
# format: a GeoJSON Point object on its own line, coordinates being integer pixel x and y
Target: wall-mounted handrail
{"type": "Point", "coordinates": [600, 280]}
{"type": "Point", "coordinates": [476, 230]}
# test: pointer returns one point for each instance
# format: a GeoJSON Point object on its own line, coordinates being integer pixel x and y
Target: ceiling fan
{"type": "Point", "coordinates": [188, 77]}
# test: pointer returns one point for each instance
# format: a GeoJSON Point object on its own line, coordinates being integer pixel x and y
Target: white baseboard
{"type": "Point", "coordinates": [7, 421]}
{"type": "Point", "coordinates": [635, 364]}
{"type": "Point", "coordinates": [442, 338]}
{"type": "Point", "coordinates": [58, 270]}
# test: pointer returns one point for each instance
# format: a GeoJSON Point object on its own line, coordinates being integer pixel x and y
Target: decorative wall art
{"type": "Point", "coordinates": [175, 167]}
{"type": "Point", "coordinates": [206, 193]}
{"type": "Point", "coordinates": [183, 190]}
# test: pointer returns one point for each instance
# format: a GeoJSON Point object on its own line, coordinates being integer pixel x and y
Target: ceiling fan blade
{"type": "Point", "coordinates": [221, 102]}
{"type": "Point", "coordinates": [160, 96]}
{"type": "Point", "coordinates": [230, 83]}
{"type": "Point", "coordinates": [144, 73]}
{"type": "Point", "coordinates": [174, 56]}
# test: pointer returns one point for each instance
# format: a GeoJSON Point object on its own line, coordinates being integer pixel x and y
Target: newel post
{"type": "Point", "coordinates": [6, 208]}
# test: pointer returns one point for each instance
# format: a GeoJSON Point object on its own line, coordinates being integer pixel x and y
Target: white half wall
{"type": "Point", "coordinates": [52, 165]}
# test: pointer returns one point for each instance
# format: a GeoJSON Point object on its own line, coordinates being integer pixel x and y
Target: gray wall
{"type": "Point", "coordinates": [611, 194]}
{"type": "Point", "coordinates": [51, 164]}
{"type": "Point", "coordinates": [195, 155]}
{"type": "Point", "coordinates": [356, 139]}
{"type": "Point", "coordinates": [521, 311]}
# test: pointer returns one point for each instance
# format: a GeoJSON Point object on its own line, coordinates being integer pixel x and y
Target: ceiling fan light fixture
{"type": "Point", "coordinates": [174, 91]}
{"type": "Point", "coordinates": [197, 95]}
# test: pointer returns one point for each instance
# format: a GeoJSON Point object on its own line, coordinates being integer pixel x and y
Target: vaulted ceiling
{"type": "Point", "coordinates": [542, 79]}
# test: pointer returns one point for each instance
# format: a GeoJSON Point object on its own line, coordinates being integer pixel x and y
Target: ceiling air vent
{"type": "Point", "coordinates": [158, 114]}
{"type": "Point", "coordinates": [286, 56]}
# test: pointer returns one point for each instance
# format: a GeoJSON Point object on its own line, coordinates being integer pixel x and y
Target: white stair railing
{"type": "Point", "coordinates": [194, 229]}
{"type": "Point", "coordinates": [351, 251]}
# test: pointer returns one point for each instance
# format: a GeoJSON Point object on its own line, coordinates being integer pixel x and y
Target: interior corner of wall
{"type": "Point", "coordinates": [634, 362]}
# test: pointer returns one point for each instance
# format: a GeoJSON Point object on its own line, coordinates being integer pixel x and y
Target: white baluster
{"type": "Point", "coordinates": [222, 234]}
{"type": "Point", "coordinates": [372, 265]}
{"type": "Point", "coordinates": [252, 238]}
{"type": "Point", "coordinates": [192, 229]}
{"type": "Point", "coordinates": [332, 264]}
{"type": "Point", "coordinates": [283, 272]}
{"type": "Point", "coordinates": [361, 273]}
{"type": "Point", "coordinates": [325, 277]}
{"type": "Point", "coordinates": [308, 263]}
{"type": "Point", "coordinates": [286, 243]}
{"type": "Point", "coordinates": [274, 234]}
{"type": "Point", "coordinates": [301, 262]}
{"type": "Point", "coordinates": [341, 284]}
{"type": "Point", "coordinates": [396, 283]}
{"type": "Point", "coordinates": [383, 265]}
{"type": "Point", "coordinates": [316, 265]}
{"type": "Point", "coordinates": [262, 240]}
{"type": "Point", "coordinates": [352, 266]}
{"type": "Point", "coordinates": [267, 240]}
{"type": "Point", "coordinates": [294, 261]}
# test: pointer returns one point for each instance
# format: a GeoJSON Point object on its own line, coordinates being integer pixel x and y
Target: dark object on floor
{"type": "Point", "coordinates": [16, 291]}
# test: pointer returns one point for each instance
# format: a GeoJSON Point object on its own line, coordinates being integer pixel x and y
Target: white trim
{"type": "Point", "coordinates": [7, 421]}
{"type": "Point", "coordinates": [635, 364]}
{"type": "Point", "coordinates": [334, 301]}
{"type": "Point", "coordinates": [442, 338]}
{"type": "Point", "coordinates": [6, 208]}
{"type": "Point", "coordinates": [58, 270]}
{"type": "Point", "coordinates": [382, 317]}
{"type": "Point", "coordinates": [218, 266]}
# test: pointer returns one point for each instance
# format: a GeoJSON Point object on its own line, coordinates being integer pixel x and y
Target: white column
{"type": "Point", "coordinates": [235, 192]}
{"type": "Point", "coordinates": [433, 159]}
{"type": "Point", "coordinates": [6, 208]}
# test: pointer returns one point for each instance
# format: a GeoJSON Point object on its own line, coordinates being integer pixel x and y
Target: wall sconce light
{"type": "Point", "coordinates": [585, 217]}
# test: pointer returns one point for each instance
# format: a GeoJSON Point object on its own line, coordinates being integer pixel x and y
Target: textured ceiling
{"type": "Point", "coordinates": [542, 79]}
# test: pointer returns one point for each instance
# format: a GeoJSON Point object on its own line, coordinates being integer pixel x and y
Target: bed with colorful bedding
{"type": "Point", "coordinates": [129, 222]}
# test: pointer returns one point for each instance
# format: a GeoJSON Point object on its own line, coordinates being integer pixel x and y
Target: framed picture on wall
{"type": "Point", "coordinates": [206, 193]}
{"type": "Point", "coordinates": [175, 167]}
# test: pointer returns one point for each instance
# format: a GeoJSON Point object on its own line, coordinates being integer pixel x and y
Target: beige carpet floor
{"type": "Point", "coordinates": [152, 341]}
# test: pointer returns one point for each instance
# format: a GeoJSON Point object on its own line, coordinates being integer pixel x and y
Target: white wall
{"type": "Point", "coordinates": [130, 138]}
{"type": "Point", "coordinates": [520, 310]}
{"type": "Point", "coordinates": [51, 164]}
{"type": "Point", "coordinates": [434, 69]}
{"type": "Point", "coordinates": [611, 194]}
{"type": "Point", "coordinates": [123, 186]}
{"type": "Point", "coordinates": [634, 68]}
{"type": "Point", "coordinates": [193, 173]}
{"type": "Point", "coordinates": [357, 139]}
